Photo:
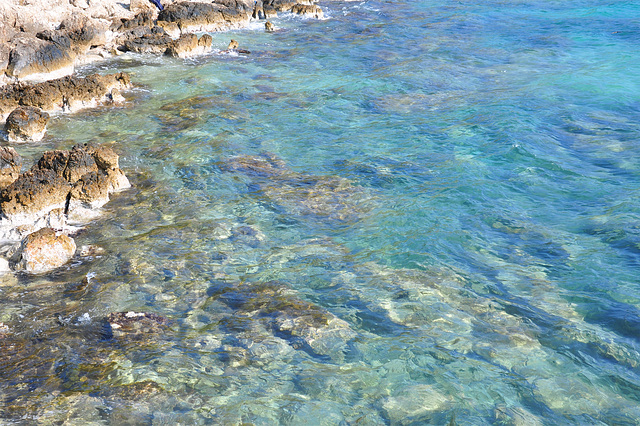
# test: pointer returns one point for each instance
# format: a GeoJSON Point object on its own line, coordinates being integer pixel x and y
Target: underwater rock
{"type": "Point", "coordinates": [43, 251]}
{"type": "Point", "coordinates": [135, 325]}
{"type": "Point", "coordinates": [10, 165]}
{"type": "Point", "coordinates": [330, 197]}
{"type": "Point", "coordinates": [189, 45]}
{"type": "Point", "coordinates": [63, 94]}
{"type": "Point", "coordinates": [26, 124]}
{"type": "Point", "coordinates": [197, 16]}
{"type": "Point", "coordinates": [305, 325]}
{"type": "Point", "coordinates": [414, 405]}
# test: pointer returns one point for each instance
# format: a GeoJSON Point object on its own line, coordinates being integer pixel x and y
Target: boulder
{"type": "Point", "coordinates": [10, 165]}
{"type": "Point", "coordinates": [142, 19]}
{"type": "Point", "coordinates": [26, 123]}
{"type": "Point", "coordinates": [70, 181]}
{"type": "Point", "coordinates": [43, 251]}
{"type": "Point", "coordinates": [299, 7]}
{"type": "Point", "coordinates": [33, 195]}
{"type": "Point", "coordinates": [189, 45]}
{"type": "Point", "coordinates": [66, 93]}
{"type": "Point", "coordinates": [147, 40]}
{"type": "Point", "coordinates": [36, 58]}
{"type": "Point", "coordinates": [199, 16]}
{"type": "Point", "coordinates": [309, 11]}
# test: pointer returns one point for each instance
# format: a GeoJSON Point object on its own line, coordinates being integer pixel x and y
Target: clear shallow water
{"type": "Point", "coordinates": [404, 214]}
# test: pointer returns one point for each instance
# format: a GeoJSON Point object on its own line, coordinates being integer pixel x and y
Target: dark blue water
{"type": "Point", "coordinates": [407, 213]}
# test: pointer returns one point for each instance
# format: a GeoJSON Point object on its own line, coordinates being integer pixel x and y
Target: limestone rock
{"type": "Point", "coordinates": [189, 45]}
{"type": "Point", "coordinates": [141, 19]}
{"type": "Point", "coordinates": [138, 6]}
{"type": "Point", "coordinates": [65, 93]}
{"type": "Point", "coordinates": [32, 195]}
{"type": "Point", "coordinates": [79, 179]}
{"type": "Point", "coordinates": [10, 165]}
{"type": "Point", "coordinates": [147, 40]}
{"type": "Point", "coordinates": [26, 123]}
{"type": "Point", "coordinates": [44, 251]}
{"type": "Point", "coordinates": [199, 16]}
{"type": "Point", "coordinates": [170, 28]}
{"type": "Point", "coordinates": [309, 11]}
{"type": "Point", "coordinates": [32, 56]}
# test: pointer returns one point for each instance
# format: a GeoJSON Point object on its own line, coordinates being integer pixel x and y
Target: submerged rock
{"type": "Point", "coordinates": [306, 326]}
{"type": "Point", "coordinates": [26, 123]}
{"type": "Point", "coordinates": [43, 251]}
{"type": "Point", "coordinates": [135, 325]}
{"type": "Point", "coordinates": [330, 197]}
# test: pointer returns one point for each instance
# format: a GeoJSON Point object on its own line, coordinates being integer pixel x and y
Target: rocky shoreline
{"type": "Point", "coordinates": [41, 44]}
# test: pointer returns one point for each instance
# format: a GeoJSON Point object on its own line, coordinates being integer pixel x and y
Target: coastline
{"type": "Point", "coordinates": [39, 53]}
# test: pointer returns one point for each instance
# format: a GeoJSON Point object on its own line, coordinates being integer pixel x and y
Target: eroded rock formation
{"type": "Point", "coordinates": [26, 123]}
{"type": "Point", "coordinates": [61, 185]}
{"type": "Point", "coordinates": [64, 94]}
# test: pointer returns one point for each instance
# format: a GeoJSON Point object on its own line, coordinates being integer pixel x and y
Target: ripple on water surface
{"type": "Point", "coordinates": [405, 214]}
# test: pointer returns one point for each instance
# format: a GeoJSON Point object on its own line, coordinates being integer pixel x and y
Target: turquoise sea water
{"type": "Point", "coordinates": [406, 213]}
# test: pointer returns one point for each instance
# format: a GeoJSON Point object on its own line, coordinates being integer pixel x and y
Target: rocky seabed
{"type": "Point", "coordinates": [41, 43]}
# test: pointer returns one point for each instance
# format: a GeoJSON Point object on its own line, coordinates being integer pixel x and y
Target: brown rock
{"type": "Point", "coordinates": [10, 165]}
{"type": "Point", "coordinates": [200, 16]}
{"type": "Point", "coordinates": [136, 325]}
{"type": "Point", "coordinates": [189, 45]}
{"type": "Point", "coordinates": [63, 93]}
{"type": "Point", "coordinates": [310, 11]}
{"type": "Point", "coordinates": [25, 124]}
{"type": "Point", "coordinates": [183, 46]}
{"type": "Point", "coordinates": [32, 55]}
{"type": "Point", "coordinates": [80, 162]}
{"type": "Point", "coordinates": [91, 190]}
{"type": "Point", "coordinates": [33, 194]}
{"type": "Point", "coordinates": [105, 158]}
{"type": "Point", "coordinates": [43, 251]}
{"type": "Point", "coordinates": [147, 40]}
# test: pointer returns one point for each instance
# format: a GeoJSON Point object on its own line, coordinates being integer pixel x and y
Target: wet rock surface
{"type": "Point", "coordinates": [189, 45]}
{"type": "Point", "coordinates": [302, 7]}
{"type": "Point", "coordinates": [26, 124]}
{"type": "Point", "coordinates": [61, 184]}
{"type": "Point", "coordinates": [63, 94]}
{"type": "Point", "coordinates": [330, 197]}
{"type": "Point", "coordinates": [44, 250]}
{"type": "Point", "coordinates": [135, 325]}
{"type": "Point", "coordinates": [201, 16]}
{"type": "Point", "coordinates": [10, 165]}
